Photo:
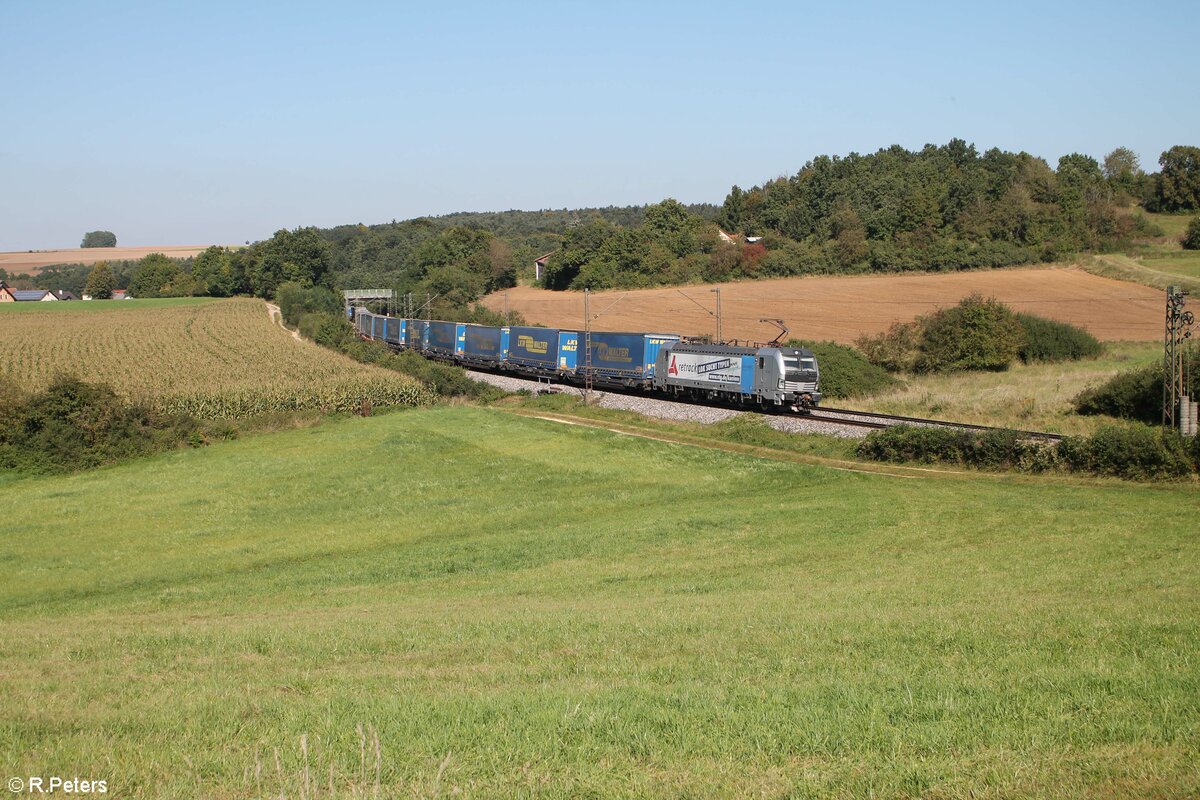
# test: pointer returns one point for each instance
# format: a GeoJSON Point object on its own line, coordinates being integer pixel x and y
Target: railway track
{"type": "Point", "coordinates": [833, 416]}
{"type": "Point", "coordinates": [869, 419]}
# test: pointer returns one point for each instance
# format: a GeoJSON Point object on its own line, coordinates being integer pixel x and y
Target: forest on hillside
{"type": "Point", "coordinates": [946, 207]}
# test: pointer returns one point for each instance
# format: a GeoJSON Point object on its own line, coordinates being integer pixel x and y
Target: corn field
{"type": "Point", "coordinates": [220, 359]}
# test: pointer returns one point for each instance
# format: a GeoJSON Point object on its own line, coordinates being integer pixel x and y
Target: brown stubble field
{"type": "Point", "coordinates": [32, 262]}
{"type": "Point", "coordinates": [842, 308]}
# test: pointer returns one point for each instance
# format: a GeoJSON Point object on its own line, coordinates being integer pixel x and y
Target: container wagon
{"type": "Point", "coordinates": [545, 350]}
{"type": "Point", "coordinates": [445, 339]}
{"type": "Point", "coordinates": [416, 335]}
{"type": "Point", "coordinates": [626, 359]}
{"type": "Point", "coordinates": [485, 346]}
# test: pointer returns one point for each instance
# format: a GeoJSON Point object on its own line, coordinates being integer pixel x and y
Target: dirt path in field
{"type": "Point", "coordinates": [277, 317]}
{"type": "Point", "coordinates": [842, 308]}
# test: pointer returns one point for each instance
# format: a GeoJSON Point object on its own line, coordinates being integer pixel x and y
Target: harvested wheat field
{"type": "Point", "coordinates": [843, 308]}
{"type": "Point", "coordinates": [35, 260]}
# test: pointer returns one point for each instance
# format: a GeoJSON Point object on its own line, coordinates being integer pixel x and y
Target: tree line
{"type": "Point", "coordinates": [938, 208]}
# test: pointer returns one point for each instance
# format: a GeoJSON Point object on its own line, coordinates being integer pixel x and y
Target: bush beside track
{"type": "Point", "coordinates": [1135, 394]}
{"type": "Point", "coordinates": [1131, 452]}
{"type": "Point", "coordinates": [845, 372]}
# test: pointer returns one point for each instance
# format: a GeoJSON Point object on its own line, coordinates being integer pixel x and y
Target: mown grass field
{"type": "Point", "coordinates": [1185, 263]}
{"type": "Point", "coordinates": [211, 358]}
{"type": "Point", "coordinates": [514, 607]}
{"type": "Point", "coordinates": [1025, 396]}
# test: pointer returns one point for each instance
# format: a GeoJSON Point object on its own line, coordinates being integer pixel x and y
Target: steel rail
{"type": "Point", "coordinates": [888, 420]}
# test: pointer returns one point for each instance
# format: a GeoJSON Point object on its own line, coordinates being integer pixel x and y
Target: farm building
{"type": "Point", "coordinates": [33, 296]}
{"type": "Point", "coordinates": [6, 295]}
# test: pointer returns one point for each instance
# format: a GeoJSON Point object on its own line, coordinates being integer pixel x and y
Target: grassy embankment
{"type": "Point", "coordinates": [520, 608]}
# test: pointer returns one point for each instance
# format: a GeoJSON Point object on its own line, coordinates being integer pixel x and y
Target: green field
{"type": "Point", "coordinates": [1185, 262]}
{"type": "Point", "coordinates": [513, 607]}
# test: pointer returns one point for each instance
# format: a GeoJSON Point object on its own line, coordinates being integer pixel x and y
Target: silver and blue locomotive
{"type": "Point", "coordinates": [778, 377]}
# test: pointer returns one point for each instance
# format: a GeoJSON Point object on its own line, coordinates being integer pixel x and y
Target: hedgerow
{"type": "Point", "coordinates": [1131, 452]}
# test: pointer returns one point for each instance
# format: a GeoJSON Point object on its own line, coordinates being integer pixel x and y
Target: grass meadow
{"type": "Point", "coordinates": [1025, 396]}
{"type": "Point", "coordinates": [210, 358]}
{"type": "Point", "coordinates": [467, 602]}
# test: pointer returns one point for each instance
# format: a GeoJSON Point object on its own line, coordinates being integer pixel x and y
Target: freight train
{"type": "Point", "coordinates": [665, 363]}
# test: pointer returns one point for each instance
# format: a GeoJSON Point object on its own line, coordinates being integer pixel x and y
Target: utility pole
{"type": "Point", "coordinates": [587, 345]}
{"type": "Point", "coordinates": [720, 334]}
{"type": "Point", "coordinates": [506, 308]}
{"type": "Point", "coordinates": [1178, 410]}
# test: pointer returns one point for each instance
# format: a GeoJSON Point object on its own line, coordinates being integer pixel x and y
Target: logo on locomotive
{"type": "Point", "coordinates": [720, 370]}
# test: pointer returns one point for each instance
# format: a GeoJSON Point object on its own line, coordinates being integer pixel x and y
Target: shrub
{"type": "Point", "coordinates": [74, 425]}
{"type": "Point", "coordinates": [998, 449]}
{"type": "Point", "coordinates": [295, 300]}
{"type": "Point", "coordinates": [895, 349]}
{"type": "Point", "coordinates": [977, 334]}
{"type": "Point", "coordinates": [1191, 239]}
{"type": "Point", "coordinates": [845, 372]}
{"type": "Point", "coordinates": [328, 330]}
{"type": "Point", "coordinates": [923, 445]}
{"type": "Point", "coordinates": [1133, 452]}
{"type": "Point", "coordinates": [445, 379]}
{"type": "Point", "coordinates": [1050, 341]}
{"type": "Point", "coordinates": [1134, 394]}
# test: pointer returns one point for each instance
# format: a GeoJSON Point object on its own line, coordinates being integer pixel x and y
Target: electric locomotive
{"type": "Point", "coordinates": [782, 377]}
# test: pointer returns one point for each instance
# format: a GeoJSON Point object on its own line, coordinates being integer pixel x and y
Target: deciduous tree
{"type": "Point", "coordinates": [100, 282]}
{"type": "Point", "coordinates": [1177, 187]}
{"type": "Point", "coordinates": [99, 239]}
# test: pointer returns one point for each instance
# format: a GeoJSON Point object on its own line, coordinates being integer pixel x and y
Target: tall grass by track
{"type": "Point", "coordinates": [1025, 396]}
{"type": "Point", "coordinates": [519, 608]}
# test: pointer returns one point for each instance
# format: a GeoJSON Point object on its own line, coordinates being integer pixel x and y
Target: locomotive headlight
{"type": "Point", "coordinates": [781, 383]}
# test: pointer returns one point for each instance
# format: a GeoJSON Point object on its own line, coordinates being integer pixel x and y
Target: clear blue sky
{"type": "Point", "coordinates": [174, 123]}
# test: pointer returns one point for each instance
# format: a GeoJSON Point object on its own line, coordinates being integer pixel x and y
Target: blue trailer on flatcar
{"type": "Point", "coordinates": [625, 359]}
{"type": "Point", "coordinates": [416, 335]}
{"type": "Point", "coordinates": [547, 350]}
{"type": "Point", "coordinates": [393, 330]}
{"type": "Point", "coordinates": [445, 339]}
{"type": "Point", "coordinates": [485, 345]}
